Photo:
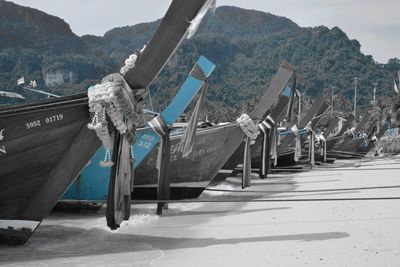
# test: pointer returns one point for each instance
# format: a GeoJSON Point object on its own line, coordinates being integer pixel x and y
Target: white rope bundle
{"type": "Point", "coordinates": [319, 137]}
{"type": "Point", "coordinates": [112, 98]}
{"type": "Point", "coordinates": [351, 131]}
{"type": "Point", "coordinates": [249, 128]}
{"type": "Point", "coordinates": [297, 149]}
{"type": "Point", "coordinates": [340, 123]}
{"type": "Point", "coordinates": [321, 140]}
{"type": "Point", "coordinates": [311, 147]}
{"type": "Point", "coordinates": [295, 130]}
{"type": "Point", "coordinates": [365, 137]}
{"type": "Point", "coordinates": [130, 62]}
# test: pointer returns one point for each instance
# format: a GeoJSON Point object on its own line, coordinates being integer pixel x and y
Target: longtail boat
{"type": "Point", "coordinates": [44, 146]}
{"type": "Point", "coordinates": [360, 141]}
{"type": "Point", "coordinates": [92, 184]}
{"type": "Point", "coordinates": [374, 136]}
{"type": "Point", "coordinates": [353, 139]}
{"type": "Point", "coordinates": [230, 168]}
{"type": "Point", "coordinates": [321, 155]}
{"type": "Point", "coordinates": [216, 147]}
{"type": "Point", "coordinates": [252, 158]}
{"type": "Point", "coordinates": [286, 154]}
{"type": "Point", "coordinates": [212, 149]}
{"type": "Point", "coordinates": [332, 141]}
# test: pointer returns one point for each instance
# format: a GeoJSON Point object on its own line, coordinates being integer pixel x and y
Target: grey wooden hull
{"type": "Point", "coordinates": [46, 145]}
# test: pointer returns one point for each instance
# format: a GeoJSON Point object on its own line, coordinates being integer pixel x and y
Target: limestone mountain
{"type": "Point", "coordinates": [246, 46]}
{"type": "Point", "coordinates": [24, 27]}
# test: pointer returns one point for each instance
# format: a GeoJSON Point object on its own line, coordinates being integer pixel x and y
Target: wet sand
{"type": "Point", "coordinates": [312, 233]}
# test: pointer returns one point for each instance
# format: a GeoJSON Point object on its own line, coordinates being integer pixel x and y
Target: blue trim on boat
{"type": "Point", "coordinates": [94, 180]}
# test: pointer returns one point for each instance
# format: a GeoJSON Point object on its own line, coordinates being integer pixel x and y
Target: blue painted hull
{"type": "Point", "coordinates": [213, 149]}
{"type": "Point", "coordinates": [94, 180]}
{"type": "Point", "coordinates": [214, 146]}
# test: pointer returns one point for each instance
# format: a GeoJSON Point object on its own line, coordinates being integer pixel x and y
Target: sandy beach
{"type": "Point", "coordinates": [243, 233]}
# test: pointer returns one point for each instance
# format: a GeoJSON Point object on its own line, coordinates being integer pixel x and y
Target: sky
{"type": "Point", "coordinates": [375, 24]}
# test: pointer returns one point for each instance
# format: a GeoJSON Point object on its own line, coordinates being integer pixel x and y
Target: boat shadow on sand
{"type": "Point", "coordinates": [69, 242]}
{"type": "Point", "coordinates": [61, 237]}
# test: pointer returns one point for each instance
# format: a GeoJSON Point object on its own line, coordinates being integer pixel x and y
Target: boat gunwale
{"type": "Point", "coordinates": [72, 100]}
{"type": "Point", "coordinates": [209, 129]}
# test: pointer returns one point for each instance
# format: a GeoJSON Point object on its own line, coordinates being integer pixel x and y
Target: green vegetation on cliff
{"type": "Point", "coordinates": [246, 45]}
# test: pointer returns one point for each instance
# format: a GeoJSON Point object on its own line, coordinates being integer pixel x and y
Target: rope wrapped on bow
{"type": "Point", "coordinates": [113, 100]}
{"type": "Point", "coordinates": [164, 152]}
{"type": "Point", "coordinates": [351, 132]}
{"type": "Point", "coordinates": [322, 144]}
{"type": "Point", "coordinates": [275, 142]}
{"type": "Point", "coordinates": [269, 145]}
{"type": "Point", "coordinates": [365, 137]}
{"type": "Point", "coordinates": [130, 62]}
{"type": "Point", "coordinates": [340, 124]}
{"type": "Point", "coordinates": [311, 147]}
{"type": "Point", "coordinates": [251, 131]}
{"type": "Point", "coordinates": [297, 148]}
{"type": "Point", "coordinates": [376, 144]}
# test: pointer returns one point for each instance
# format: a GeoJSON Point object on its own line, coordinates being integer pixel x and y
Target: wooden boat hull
{"type": "Point", "coordinates": [350, 148]}
{"type": "Point", "coordinates": [358, 148]}
{"type": "Point", "coordinates": [45, 146]}
{"type": "Point", "coordinates": [318, 107]}
{"type": "Point", "coordinates": [277, 87]}
{"type": "Point", "coordinates": [88, 187]}
{"type": "Point", "coordinates": [353, 149]}
{"type": "Point", "coordinates": [214, 146]}
{"type": "Point", "coordinates": [277, 114]}
{"type": "Point", "coordinates": [189, 176]}
{"type": "Point", "coordinates": [331, 142]}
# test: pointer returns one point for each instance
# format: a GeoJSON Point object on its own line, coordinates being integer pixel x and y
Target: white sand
{"type": "Point", "coordinates": [335, 233]}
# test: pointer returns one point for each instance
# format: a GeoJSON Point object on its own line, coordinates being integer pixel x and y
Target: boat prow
{"type": "Point", "coordinates": [42, 144]}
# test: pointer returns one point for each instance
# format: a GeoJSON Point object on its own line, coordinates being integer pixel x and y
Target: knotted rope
{"type": "Point", "coordinates": [311, 147]}
{"type": "Point", "coordinates": [297, 148]}
{"type": "Point", "coordinates": [130, 62]}
{"type": "Point", "coordinates": [274, 143]}
{"type": "Point", "coordinates": [251, 132]}
{"type": "Point", "coordinates": [113, 100]}
{"type": "Point", "coordinates": [248, 127]}
{"type": "Point", "coordinates": [376, 144]}
{"type": "Point", "coordinates": [350, 132]}
{"type": "Point", "coordinates": [322, 144]}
